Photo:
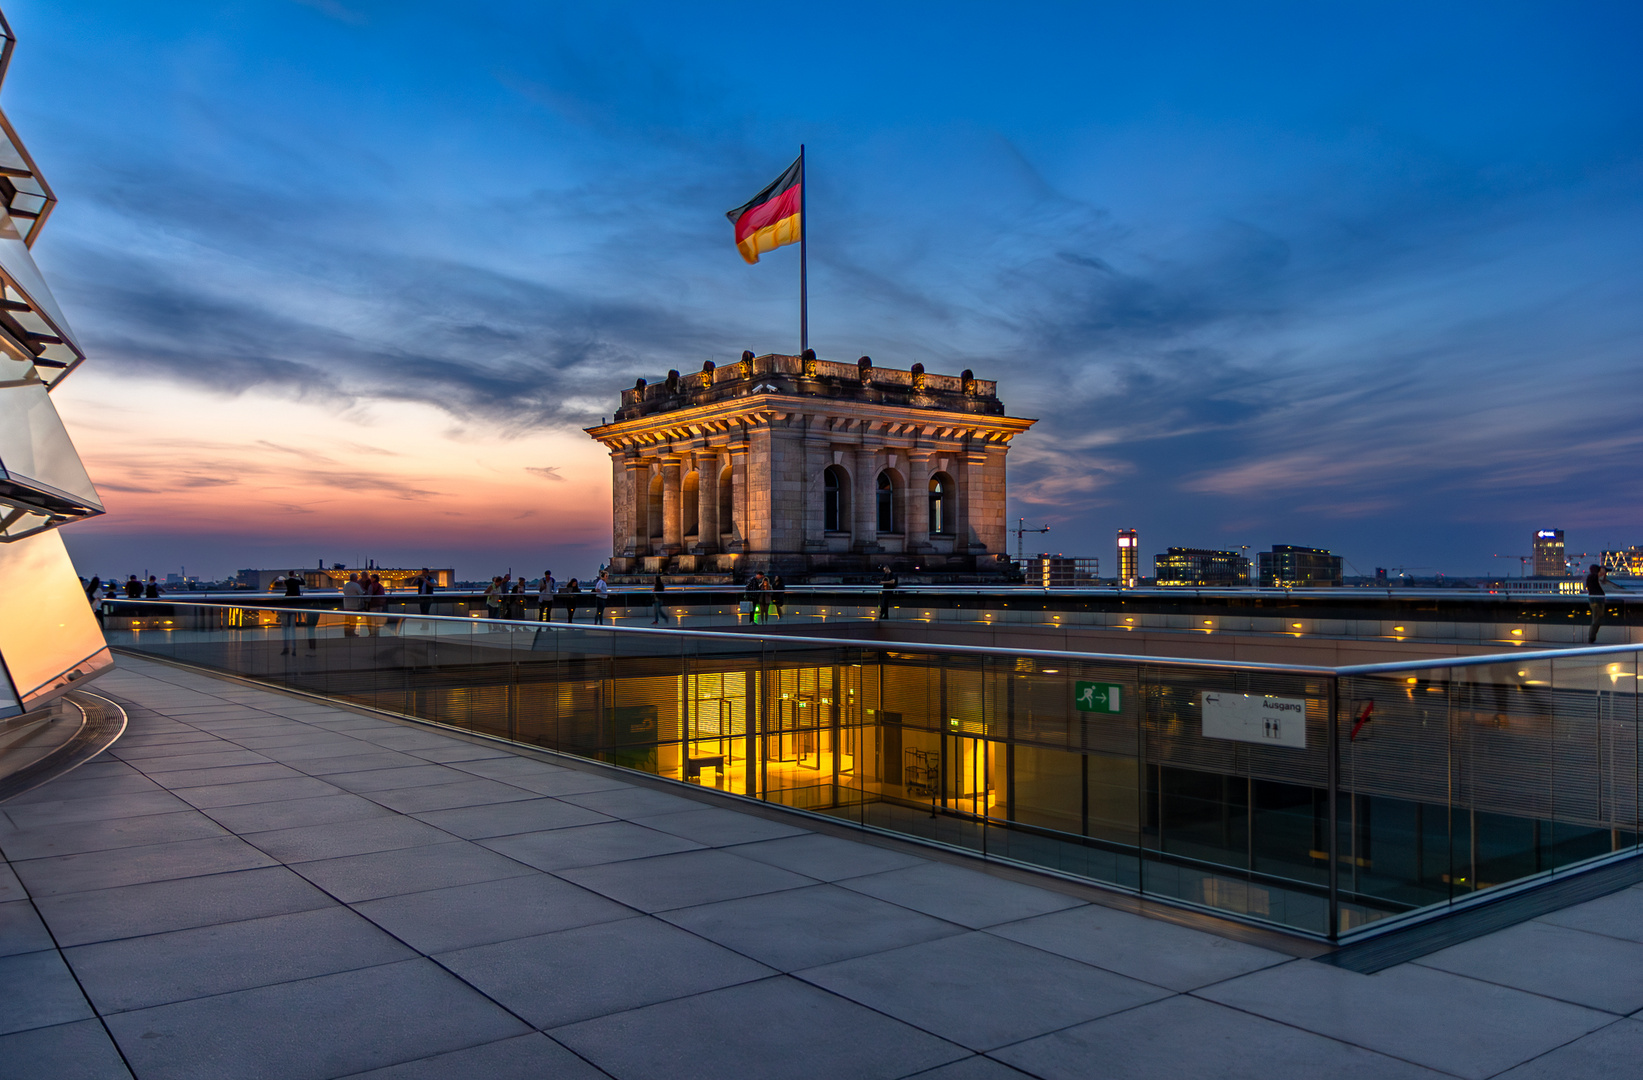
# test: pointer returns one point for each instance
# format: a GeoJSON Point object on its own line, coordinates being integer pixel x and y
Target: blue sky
{"type": "Point", "coordinates": [1360, 277]}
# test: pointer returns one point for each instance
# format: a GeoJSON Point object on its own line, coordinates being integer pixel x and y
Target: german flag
{"type": "Point", "coordinates": [772, 218]}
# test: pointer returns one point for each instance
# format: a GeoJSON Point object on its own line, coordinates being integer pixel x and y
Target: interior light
{"type": "Point", "coordinates": [1411, 679]}
{"type": "Point", "coordinates": [1296, 625]}
{"type": "Point", "coordinates": [1051, 671]}
{"type": "Point", "coordinates": [1517, 632]}
{"type": "Point", "coordinates": [1399, 629]}
{"type": "Point", "coordinates": [1521, 674]}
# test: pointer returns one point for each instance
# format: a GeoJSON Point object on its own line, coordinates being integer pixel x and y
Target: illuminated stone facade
{"type": "Point", "coordinates": [818, 470]}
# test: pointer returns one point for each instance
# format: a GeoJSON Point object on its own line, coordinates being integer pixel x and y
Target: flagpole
{"type": "Point", "coordinates": [804, 237]}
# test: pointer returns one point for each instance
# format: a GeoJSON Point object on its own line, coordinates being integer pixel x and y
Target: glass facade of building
{"type": "Point", "coordinates": [1200, 566]}
{"type": "Point", "coordinates": [48, 635]}
{"type": "Point", "coordinates": [1289, 567]}
{"type": "Point", "coordinates": [1327, 801]}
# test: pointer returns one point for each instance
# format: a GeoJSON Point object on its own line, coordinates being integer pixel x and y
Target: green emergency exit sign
{"type": "Point", "coordinates": [1101, 697]}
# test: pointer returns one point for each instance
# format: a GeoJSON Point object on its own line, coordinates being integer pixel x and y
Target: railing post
{"type": "Point", "coordinates": [1334, 747]}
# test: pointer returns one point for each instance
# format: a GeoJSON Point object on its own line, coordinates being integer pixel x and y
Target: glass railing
{"type": "Point", "coordinates": [1330, 801]}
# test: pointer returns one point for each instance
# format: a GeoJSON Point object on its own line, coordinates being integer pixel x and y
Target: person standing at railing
{"type": "Point", "coordinates": [292, 584]}
{"type": "Point", "coordinates": [573, 589]}
{"type": "Point", "coordinates": [750, 599]}
{"type": "Point", "coordinates": [353, 600]}
{"type": "Point", "coordinates": [153, 591]}
{"type": "Point", "coordinates": [887, 589]}
{"type": "Point", "coordinates": [544, 597]}
{"type": "Point", "coordinates": [493, 599]}
{"type": "Point", "coordinates": [134, 588]}
{"type": "Point", "coordinates": [658, 613]}
{"type": "Point", "coordinates": [601, 597]}
{"type": "Point", "coordinates": [778, 593]}
{"type": "Point", "coordinates": [95, 593]}
{"type": "Point", "coordinates": [424, 590]}
{"type": "Point", "coordinates": [1596, 578]}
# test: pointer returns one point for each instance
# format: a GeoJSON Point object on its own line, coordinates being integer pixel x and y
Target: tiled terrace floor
{"type": "Point", "coordinates": [253, 885]}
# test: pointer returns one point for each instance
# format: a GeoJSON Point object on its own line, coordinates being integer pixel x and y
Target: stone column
{"type": "Point", "coordinates": [866, 499]}
{"type": "Point", "coordinates": [738, 496]}
{"type": "Point", "coordinates": [638, 508]}
{"type": "Point", "coordinates": [917, 528]}
{"type": "Point", "coordinates": [672, 507]}
{"type": "Point", "coordinates": [707, 501]}
{"type": "Point", "coordinates": [974, 494]}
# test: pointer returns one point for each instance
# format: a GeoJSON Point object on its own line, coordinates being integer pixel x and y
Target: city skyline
{"type": "Point", "coordinates": [1299, 277]}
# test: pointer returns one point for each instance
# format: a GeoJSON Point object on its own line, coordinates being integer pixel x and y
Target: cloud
{"type": "Point", "coordinates": [546, 472]}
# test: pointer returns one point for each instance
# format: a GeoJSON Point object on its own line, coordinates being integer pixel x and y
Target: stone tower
{"type": "Point", "coordinates": [822, 471]}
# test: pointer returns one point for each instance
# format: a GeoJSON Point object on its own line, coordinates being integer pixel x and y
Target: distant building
{"type": "Point", "coordinates": [396, 577]}
{"type": "Point", "coordinates": [1549, 558]}
{"type": "Point", "coordinates": [1129, 559]}
{"type": "Point", "coordinates": [1289, 567]}
{"type": "Point", "coordinates": [1627, 562]}
{"type": "Point", "coordinates": [1059, 572]}
{"type": "Point", "coordinates": [1200, 566]}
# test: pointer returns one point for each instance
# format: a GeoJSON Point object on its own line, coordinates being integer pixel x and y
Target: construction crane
{"type": "Point", "coordinates": [1400, 569]}
{"type": "Point", "coordinates": [1523, 562]}
{"type": "Point", "coordinates": [1021, 531]}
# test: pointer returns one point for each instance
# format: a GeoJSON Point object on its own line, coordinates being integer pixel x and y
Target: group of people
{"type": "Point", "coordinates": [361, 592]}
{"type": "Point", "coordinates": [551, 594]}
{"type": "Point", "coordinates": [763, 595]}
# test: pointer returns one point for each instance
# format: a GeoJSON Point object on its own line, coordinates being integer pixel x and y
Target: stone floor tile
{"type": "Point", "coordinates": [802, 928]}
{"type": "Point", "coordinates": [140, 754]}
{"type": "Point", "coordinates": [181, 736]}
{"type": "Point", "coordinates": [449, 751]}
{"type": "Point", "coordinates": [418, 775]}
{"type": "Point", "coordinates": [296, 813]}
{"type": "Point", "coordinates": [1183, 1036]}
{"type": "Point", "coordinates": [469, 792]}
{"type": "Point", "coordinates": [1614, 1051]}
{"type": "Point", "coordinates": [827, 858]}
{"type": "Point", "coordinates": [214, 759]}
{"type": "Point", "coordinates": [119, 832]}
{"type": "Point", "coordinates": [1479, 1030]}
{"type": "Point", "coordinates": [77, 1051]}
{"type": "Point", "coordinates": [524, 1057]}
{"type": "Point", "coordinates": [69, 788]}
{"type": "Point", "coordinates": [314, 1029]}
{"type": "Point", "coordinates": [136, 973]}
{"type": "Point", "coordinates": [631, 802]}
{"type": "Point", "coordinates": [440, 920]}
{"type": "Point", "coordinates": [588, 845]}
{"type": "Point", "coordinates": [555, 781]}
{"type": "Point", "coordinates": [129, 866]}
{"type": "Point", "coordinates": [36, 990]}
{"type": "Point", "coordinates": [406, 870]}
{"type": "Point", "coordinates": [10, 887]}
{"type": "Point", "coordinates": [308, 843]}
{"type": "Point", "coordinates": [105, 808]}
{"type": "Point", "coordinates": [319, 746]}
{"type": "Point", "coordinates": [981, 991]}
{"type": "Point", "coordinates": [21, 930]}
{"type": "Point", "coordinates": [976, 1067]}
{"type": "Point", "coordinates": [407, 738]}
{"type": "Point", "coordinates": [590, 971]}
{"type": "Point", "coordinates": [255, 791]}
{"type": "Point", "coordinates": [1149, 949]}
{"type": "Point", "coordinates": [778, 1029]}
{"type": "Point", "coordinates": [374, 761]}
{"type": "Point", "coordinates": [160, 906]}
{"type": "Point", "coordinates": [537, 814]}
{"type": "Point", "coordinates": [1572, 965]}
{"type": "Point", "coordinates": [961, 895]}
{"type": "Point", "coordinates": [684, 879]}
{"type": "Point", "coordinates": [717, 827]}
{"type": "Point", "coordinates": [1619, 915]}
{"type": "Point", "coordinates": [230, 774]}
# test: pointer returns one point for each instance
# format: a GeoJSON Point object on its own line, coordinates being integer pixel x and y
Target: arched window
{"type": "Point", "coordinates": [887, 503]}
{"type": "Point", "coordinates": [690, 489]}
{"type": "Point", "coordinates": [656, 506]}
{"type": "Point", "coordinates": [941, 505]}
{"type": "Point", "coordinates": [727, 501]}
{"type": "Point", "coordinates": [835, 500]}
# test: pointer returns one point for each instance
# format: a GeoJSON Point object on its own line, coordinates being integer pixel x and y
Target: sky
{"type": "Point", "coordinates": [353, 276]}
